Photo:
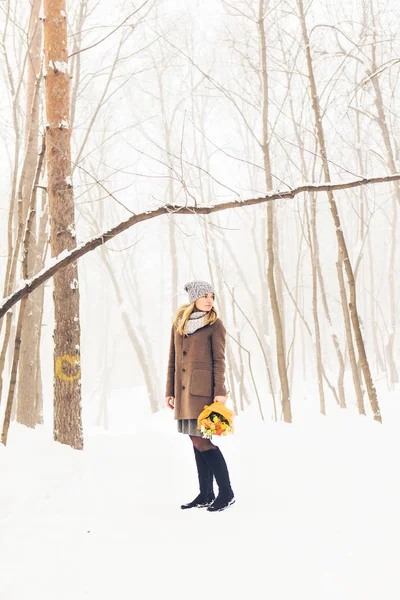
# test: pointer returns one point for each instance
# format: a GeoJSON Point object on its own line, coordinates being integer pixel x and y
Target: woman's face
{"type": "Point", "coordinates": [205, 302]}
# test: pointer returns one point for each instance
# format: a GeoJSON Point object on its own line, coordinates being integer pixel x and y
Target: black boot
{"type": "Point", "coordinates": [206, 496]}
{"type": "Point", "coordinates": [218, 466]}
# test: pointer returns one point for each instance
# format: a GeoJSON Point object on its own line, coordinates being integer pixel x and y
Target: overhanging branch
{"type": "Point", "coordinates": [67, 257]}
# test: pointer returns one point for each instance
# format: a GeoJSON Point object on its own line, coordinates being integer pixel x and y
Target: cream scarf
{"type": "Point", "coordinates": [196, 320]}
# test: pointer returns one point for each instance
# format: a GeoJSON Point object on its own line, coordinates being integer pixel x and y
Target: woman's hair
{"type": "Point", "coordinates": [184, 313]}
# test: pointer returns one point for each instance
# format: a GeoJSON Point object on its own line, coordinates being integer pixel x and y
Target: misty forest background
{"type": "Point", "coordinates": [180, 107]}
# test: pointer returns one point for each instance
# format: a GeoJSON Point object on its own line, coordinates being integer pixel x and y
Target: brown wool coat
{"type": "Point", "coordinates": [196, 369]}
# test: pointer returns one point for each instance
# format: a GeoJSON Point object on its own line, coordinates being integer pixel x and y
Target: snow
{"type": "Point", "coordinates": [27, 282]}
{"type": "Point", "coordinates": [316, 513]}
{"type": "Point", "coordinates": [57, 258]}
{"type": "Point", "coordinates": [124, 308]}
{"type": "Point", "coordinates": [59, 65]}
{"type": "Point", "coordinates": [71, 228]}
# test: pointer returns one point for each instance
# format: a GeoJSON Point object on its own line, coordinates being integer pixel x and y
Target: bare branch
{"type": "Point", "coordinates": [378, 71]}
{"type": "Point", "coordinates": [68, 256]}
{"type": "Point", "coordinates": [111, 32]}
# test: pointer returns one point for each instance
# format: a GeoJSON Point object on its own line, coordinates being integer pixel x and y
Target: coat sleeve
{"type": "Point", "coordinates": [218, 352]}
{"type": "Point", "coordinates": [170, 387]}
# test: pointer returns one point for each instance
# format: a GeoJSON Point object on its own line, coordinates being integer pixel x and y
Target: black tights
{"type": "Point", "coordinates": [202, 444]}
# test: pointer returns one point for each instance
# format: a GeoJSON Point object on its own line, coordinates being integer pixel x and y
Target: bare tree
{"type": "Point", "coordinates": [344, 257]}
{"type": "Point", "coordinates": [14, 82]}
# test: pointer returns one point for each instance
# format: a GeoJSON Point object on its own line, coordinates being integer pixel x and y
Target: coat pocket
{"type": "Point", "coordinates": [201, 383]}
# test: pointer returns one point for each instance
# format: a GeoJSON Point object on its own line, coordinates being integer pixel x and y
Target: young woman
{"type": "Point", "coordinates": [196, 377]}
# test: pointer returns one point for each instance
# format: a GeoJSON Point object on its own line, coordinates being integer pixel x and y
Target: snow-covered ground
{"type": "Point", "coordinates": [316, 516]}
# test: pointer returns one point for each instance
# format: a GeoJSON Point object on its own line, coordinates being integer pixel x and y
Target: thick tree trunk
{"type": "Point", "coordinates": [29, 375]}
{"type": "Point", "coordinates": [30, 334]}
{"type": "Point", "coordinates": [67, 374]}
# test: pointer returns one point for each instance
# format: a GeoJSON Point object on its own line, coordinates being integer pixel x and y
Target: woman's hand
{"type": "Point", "coordinates": [221, 399]}
{"type": "Point", "coordinates": [170, 401]}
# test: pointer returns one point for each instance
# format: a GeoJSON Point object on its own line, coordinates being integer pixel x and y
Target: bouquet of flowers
{"type": "Point", "coordinates": [215, 419]}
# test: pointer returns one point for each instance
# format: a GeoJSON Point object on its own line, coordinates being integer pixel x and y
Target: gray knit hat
{"type": "Point", "coordinates": [195, 289]}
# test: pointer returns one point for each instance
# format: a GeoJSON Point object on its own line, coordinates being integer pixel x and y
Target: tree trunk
{"type": "Point", "coordinates": [29, 374]}
{"type": "Point", "coordinates": [370, 269]}
{"type": "Point", "coordinates": [43, 243]}
{"type": "Point", "coordinates": [349, 337]}
{"type": "Point", "coordinates": [17, 346]}
{"type": "Point", "coordinates": [167, 124]}
{"type": "Point", "coordinates": [342, 247]}
{"type": "Point", "coordinates": [312, 237]}
{"type": "Point", "coordinates": [372, 300]}
{"type": "Point", "coordinates": [242, 375]}
{"type": "Point", "coordinates": [279, 335]}
{"type": "Point", "coordinates": [30, 334]}
{"type": "Point", "coordinates": [67, 374]}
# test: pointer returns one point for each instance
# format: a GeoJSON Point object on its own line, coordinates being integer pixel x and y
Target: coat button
{"type": "Point", "coordinates": [183, 387]}
{"type": "Point", "coordinates": [183, 370]}
{"type": "Point", "coordinates": [184, 353]}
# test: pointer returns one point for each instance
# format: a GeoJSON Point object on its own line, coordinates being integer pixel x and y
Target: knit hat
{"type": "Point", "coordinates": [195, 289]}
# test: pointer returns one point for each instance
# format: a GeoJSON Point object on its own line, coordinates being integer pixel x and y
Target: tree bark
{"type": "Point", "coordinates": [312, 237]}
{"type": "Point", "coordinates": [350, 345]}
{"type": "Point", "coordinates": [30, 334]}
{"type": "Point", "coordinates": [17, 345]}
{"type": "Point", "coordinates": [67, 373]}
{"type": "Point", "coordinates": [29, 374]}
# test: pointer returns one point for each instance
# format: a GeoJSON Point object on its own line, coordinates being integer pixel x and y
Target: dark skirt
{"type": "Point", "coordinates": [189, 426]}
